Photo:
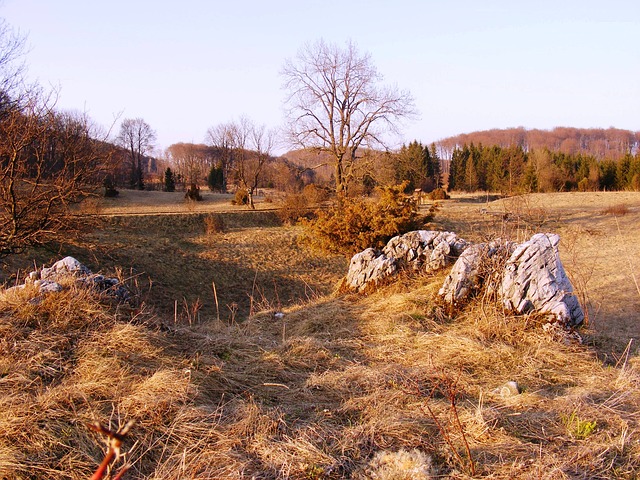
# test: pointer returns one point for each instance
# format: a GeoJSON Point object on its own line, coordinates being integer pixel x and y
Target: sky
{"type": "Point", "coordinates": [470, 65]}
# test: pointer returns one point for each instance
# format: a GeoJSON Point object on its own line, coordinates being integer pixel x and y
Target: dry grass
{"type": "Point", "coordinates": [134, 202]}
{"type": "Point", "coordinates": [339, 387]}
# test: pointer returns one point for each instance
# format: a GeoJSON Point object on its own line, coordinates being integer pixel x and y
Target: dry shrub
{"type": "Point", "coordinates": [293, 207]}
{"type": "Point", "coordinates": [315, 195]}
{"type": "Point", "coordinates": [439, 194]}
{"type": "Point", "coordinates": [616, 210]}
{"type": "Point", "coordinates": [241, 197]}
{"type": "Point", "coordinates": [355, 224]}
{"type": "Point", "coordinates": [297, 206]}
{"type": "Point", "coordinates": [213, 223]}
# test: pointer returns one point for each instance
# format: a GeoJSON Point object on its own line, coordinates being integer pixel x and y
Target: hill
{"type": "Point", "coordinates": [611, 143]}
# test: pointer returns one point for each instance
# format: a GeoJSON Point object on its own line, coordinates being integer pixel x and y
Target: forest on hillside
{"type": "Point", "coordinates": [512, 170]}
{"type": "Point", "coordinates": [562, 159]}
{"type": "Point", "coordinates": [610, 143]}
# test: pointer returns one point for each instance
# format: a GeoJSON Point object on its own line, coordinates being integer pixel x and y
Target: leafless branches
{"type": "Point", "coordinates": [336, 104]}
{"type": "Point", "coordinates": [48, 161]}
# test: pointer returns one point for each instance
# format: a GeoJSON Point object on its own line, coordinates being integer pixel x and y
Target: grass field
{"type": "Point", "coordinates": [383, 386]}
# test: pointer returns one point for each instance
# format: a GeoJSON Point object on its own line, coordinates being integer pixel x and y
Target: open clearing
{"type": "Point", "coordinates": [339, 386]}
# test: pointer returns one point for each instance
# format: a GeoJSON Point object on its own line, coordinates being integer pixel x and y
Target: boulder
{"type": "Point", "coordinates": [62, 268]}
{"type": "Point", "coordinates": [369, 268]}
{"type": "Point", "coordinates": [51, 279]}
{"type": "Point", "coordinates": [479, 266]}
{"type": "Point", "coordinates": [534, 280]}
{"type": "Point", "coordinates": [526, 278]}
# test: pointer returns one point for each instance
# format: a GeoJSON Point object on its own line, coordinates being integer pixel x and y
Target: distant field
{"type": "Point", "coordinates": [149, 202]}
{"type": "Point", "coordinates": [600, 250]}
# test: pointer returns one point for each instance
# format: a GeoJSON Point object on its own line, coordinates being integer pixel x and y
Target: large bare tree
{"type": "Point", "coordinates": [336, 103]}
{"type": "Point", "coordinates": [137, 138]}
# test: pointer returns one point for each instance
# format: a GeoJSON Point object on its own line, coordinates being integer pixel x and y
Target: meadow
{"type": "Point", "coordinates": [241, 359]}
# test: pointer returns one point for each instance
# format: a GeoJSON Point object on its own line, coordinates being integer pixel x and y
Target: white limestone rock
{"type": "Point", "coordinates": [535, 280]}
{"type": "Point", "coordinates": [369, 267]}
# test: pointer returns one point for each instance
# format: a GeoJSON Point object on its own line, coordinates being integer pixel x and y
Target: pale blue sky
{"type": "Point", "coordinates": [470, 65]}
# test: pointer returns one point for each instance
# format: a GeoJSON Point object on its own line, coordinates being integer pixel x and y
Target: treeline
{"type": "Point", "coordinates": [610, 143]}
{"type": "Point", "coordinates": [513, 169]}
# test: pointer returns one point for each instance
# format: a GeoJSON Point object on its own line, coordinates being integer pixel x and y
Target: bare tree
{"type": "Point", "coordinates": [12, 49]}
{"type": "Point", "coordinates": [337, 104]}
{"type": "Point", "coordinates": [262, 141]}
{"type": "Point", "coordinates": [48, 162]}
{"type": "Point", "coordinates": [191, 161]}
{"type": "Point", "coordinates": [137, 137]}
{"type": "Point", "coordinates": [222, 138]}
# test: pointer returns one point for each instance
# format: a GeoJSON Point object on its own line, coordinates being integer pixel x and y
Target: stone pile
{"type": "Point", "coordinates": [51, 279]}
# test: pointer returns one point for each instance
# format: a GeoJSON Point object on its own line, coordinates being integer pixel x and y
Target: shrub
{"type": "Point", "coordinates": [314, 195]}
{"type": "Point", "coordinates": [616, 210]}
{"type": "Point", "coordinates": [193, 193]}
{"type": "Point", "coordinates": [213, 223]}
{"type": "Point", "coordinates": [169, 181]}
{"type": "Point", "coordinates": [294, 206]}
{"type": "Point", "coordinates": [439, 194]}
{"type": "Point", "coordinates": [109, 187]}
{"type": "Point", "coordinates": [355, 224]}
{"type": "Point", "coordinates": [241, 197]}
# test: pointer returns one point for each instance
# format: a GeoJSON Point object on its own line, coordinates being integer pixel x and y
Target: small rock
{"type": "Point", "coordinates": [509, 389]}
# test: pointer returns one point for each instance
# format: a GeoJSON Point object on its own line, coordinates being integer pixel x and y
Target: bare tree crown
{"type": "Point", "coordinates": [336, 102]}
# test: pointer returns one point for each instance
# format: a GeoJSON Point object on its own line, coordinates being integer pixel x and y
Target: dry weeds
{"type": "Point", "coordinates": [337, 387]}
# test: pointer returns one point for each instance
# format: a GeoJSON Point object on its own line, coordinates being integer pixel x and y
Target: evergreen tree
{"type": "Point", "coordinates": [435, 166]}
{"type": "Point", "coordinates": [169, 181]}
{"type": "Point", "coordinates": [215, 178]}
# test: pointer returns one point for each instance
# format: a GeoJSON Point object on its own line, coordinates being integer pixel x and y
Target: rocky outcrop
{"type": "Point", "coordinates": [525, 278]}
{"type": "Point", "coordinates": [421, 250]}
{"type": "Point", "coordinates": [52, 279]}
{"type": "Point", "coordinates": [368, 268]}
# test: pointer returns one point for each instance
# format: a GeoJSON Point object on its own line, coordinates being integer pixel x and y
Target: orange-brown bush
{"type": "Point", "coordinates": [616, 210]}
{"type": "Point", "coordinates": [298, 205]}
{"type": "Point", "coordinates": [439, 194]}
{"type": "Point", "coordinates": [213, 223]}
{"type": "Point", "coordinates": [354, 224]}
{"type": "Point", "coordinates": [292, 208]}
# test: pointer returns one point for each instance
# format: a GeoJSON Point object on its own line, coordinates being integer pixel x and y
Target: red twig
{"type": "Point", "coordinates": [114, 440]}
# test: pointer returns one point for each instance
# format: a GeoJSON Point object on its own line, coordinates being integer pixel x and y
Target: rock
{"type": "Point", "coordinates": [47, 286]}
{"type": "Point", "coordinates": [424, 250]}
{"type": "Point", "coordinates": [420, 250]}
{"type": "Point", "coordinates": [369, 267]}
{"type": "Point", "coordinates": [509, 389]}
{"type": "Point", "coordinates": [51, 279]}
{"type": "Point", "coordinates": [65, 267]}
{"type": "Point", "coordinates": [473, 269]}
{"type": "Point", "coordinates": [535, 280]}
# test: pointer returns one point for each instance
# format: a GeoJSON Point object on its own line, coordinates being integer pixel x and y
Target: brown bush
{"type": "Point", "coordinates": [355, 224]}
{"type": "Point", "coordinates": [213, 223]}
{"type": "Point", "coordinates": [617, 210]}
{"type": "Point", "coordinates": [439, 194]}
{"type": "Point", "coordinates": [294, 206]}
{"type": "Point", "coordinates": [241, 197]}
